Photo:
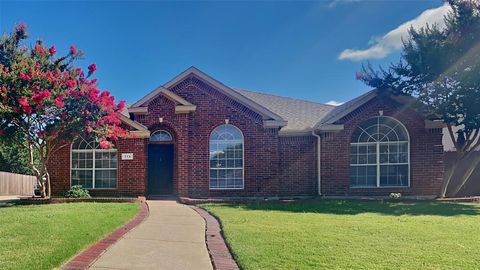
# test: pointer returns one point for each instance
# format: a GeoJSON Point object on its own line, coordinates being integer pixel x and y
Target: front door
{"type": "Point", "coordinates": [160, 169]}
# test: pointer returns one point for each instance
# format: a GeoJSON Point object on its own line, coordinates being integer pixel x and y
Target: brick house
{"type": "Point", "coordinates": [196, 137]}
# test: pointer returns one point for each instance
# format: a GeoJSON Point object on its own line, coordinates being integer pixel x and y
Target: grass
{"type": "Point", "coordinates": [46, 236]}
{"type": "Point", "coordinates": [343, 234]}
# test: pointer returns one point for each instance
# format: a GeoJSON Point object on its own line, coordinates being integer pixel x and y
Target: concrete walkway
{"type": "Point", "coordinates": [172, 237]}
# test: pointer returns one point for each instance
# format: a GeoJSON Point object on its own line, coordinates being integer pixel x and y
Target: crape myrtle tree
{"type": "Point", "coordinates": [440, 67]}
{"type": "Point", "coordinates": [49, 102]}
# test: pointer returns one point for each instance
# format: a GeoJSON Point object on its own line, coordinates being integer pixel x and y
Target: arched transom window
{"type": "Point", "coordinates": [380, 154]}
{"type": "Point", "coordinates": [226, 158]}
{"type": "Point", "coordinates": [93, 167]}
{"type": "Point", "coordinates": [161, 136]}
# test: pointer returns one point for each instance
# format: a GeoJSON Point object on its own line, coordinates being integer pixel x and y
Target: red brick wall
{"type": "Point", "coordinates": [426, 153]}
{"type": "Point", "coordinates": [131, 173]}
{"type": "Point", "coordinates": [192, 132]}
{"type": "Point", "coordinates": [298, 165]}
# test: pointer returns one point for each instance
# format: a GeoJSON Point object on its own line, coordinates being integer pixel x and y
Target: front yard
{"type": "Point", "coordinates": [338, 234]}
{"type": "Point", "coordinates": [45, 236]}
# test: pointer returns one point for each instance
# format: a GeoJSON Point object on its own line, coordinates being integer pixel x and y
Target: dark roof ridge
{"type": "Point", "coordinates": [273, 95]}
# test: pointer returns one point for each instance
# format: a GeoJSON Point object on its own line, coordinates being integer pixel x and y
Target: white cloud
{"type": "Point", "coordinates": [334, 103]}
{"type": "Point", "coordinates": [334, 3]}
{"type": "Point", "coordinates": [392, 41]}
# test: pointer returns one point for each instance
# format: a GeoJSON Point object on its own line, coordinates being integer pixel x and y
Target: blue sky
{"type": "Point", "coordinates": [302, 49]}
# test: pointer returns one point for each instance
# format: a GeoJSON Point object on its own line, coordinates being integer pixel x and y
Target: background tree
{"type": "Point", "coordinates": [441, 68]}
{"type": "Point", "coordinates": [48, 102]}
{"type": "Point", "coordinates": [13, 156]}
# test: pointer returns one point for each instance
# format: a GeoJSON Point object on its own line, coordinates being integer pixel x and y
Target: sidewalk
{"type": "Point", "coordinates": [172, 237]}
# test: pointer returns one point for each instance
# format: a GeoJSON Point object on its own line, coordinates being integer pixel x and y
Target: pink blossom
{"type": "Point", "coordinates": [52, 50]}
{"type": "Point", "coordinates": [92, 68]}
{"type": "Point", "coordinates": [27, 109]}
{"type": "Point", "coordinates": [104, 144]}
{"type": "Point", "coordinates": [39, 97]}
{"type": "Point", "coordinates": [71, 83]}
{"type": "Point", "coordinates": [39, 49]}
{"type": "Point", "coordinates": [59, 102]}
{"type": "Point", "coordinates": [25, 76]}
{"type": "Point", "coordinates": [121, 105]}
{"type": "Point", "coordinates": [21, 30]}
{"type": "Point", "coordinates": [73, 50]}
{"type": "Point", "coordinates": [23, 101]}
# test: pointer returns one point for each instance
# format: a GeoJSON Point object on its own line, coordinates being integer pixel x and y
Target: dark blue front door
{"type": "Point", "coordinates": [160, 169]}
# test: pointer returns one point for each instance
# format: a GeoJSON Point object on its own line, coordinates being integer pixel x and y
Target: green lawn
{"type": "Point", "coordinates": [337, 234]}
{"type": "Point", "coordinates": [45, 236]}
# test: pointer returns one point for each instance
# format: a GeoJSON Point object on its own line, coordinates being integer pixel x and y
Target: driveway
{"type": "Point", "coordinates": [172, 237]}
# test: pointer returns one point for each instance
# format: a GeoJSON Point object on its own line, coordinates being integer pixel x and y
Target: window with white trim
{"type": "Point", "coordinates": [226, 158]}
{"type": "Point", "coordinates": [380, 154]}
{"type": "Point", "coordinates": [93, 167]}
{"type": "Point", "coordinates": [161, 136]}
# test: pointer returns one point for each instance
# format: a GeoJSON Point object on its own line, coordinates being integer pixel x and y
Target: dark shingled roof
{"type": "Point", "coordinates": [301, 115]}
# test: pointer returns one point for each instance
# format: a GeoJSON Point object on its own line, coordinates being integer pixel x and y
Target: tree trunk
{"type": "Point", "coordinates": [447, 179]}
{"type": "Point", "coordinates": [49, 188]}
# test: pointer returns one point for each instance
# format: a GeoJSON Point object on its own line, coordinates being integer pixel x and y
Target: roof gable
{"type": "Point", "coordinates": [272, 119]}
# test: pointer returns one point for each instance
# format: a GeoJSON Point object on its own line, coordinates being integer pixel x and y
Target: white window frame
{"type": "Point", "coordinates": [378, 164]}
{"type": "Point", "coordinates": [243, 159]}
{"type": "Point", "coordinates": [158, 131]}
{"type": "Point", "coordinates": [93, 169]}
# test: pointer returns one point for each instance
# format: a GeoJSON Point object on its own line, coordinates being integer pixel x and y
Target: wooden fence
{"type": "Point", "coordinates": [16, 184]}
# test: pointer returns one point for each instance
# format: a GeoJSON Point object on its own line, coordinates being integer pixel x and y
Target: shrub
{"type": "Point", "coordinates": [77, 192]}
{"type": "Point", "coordinates": [395, 195]}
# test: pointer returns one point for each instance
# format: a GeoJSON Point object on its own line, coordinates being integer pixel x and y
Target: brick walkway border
{"type": "Point", "coordinates": [219, 252]}
{"type": "Point", "coordinates": [91, 254]}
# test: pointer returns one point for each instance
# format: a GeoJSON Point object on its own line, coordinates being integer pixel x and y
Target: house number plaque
{"type": "Point", "coordinates": [127, 156]}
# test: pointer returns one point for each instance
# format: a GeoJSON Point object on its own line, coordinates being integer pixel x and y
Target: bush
{"type": "Point", "coordinates": [77, 192]}
{"type": "Point", "coordinates": [395, 195]}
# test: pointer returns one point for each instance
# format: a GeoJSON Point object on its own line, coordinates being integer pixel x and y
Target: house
{"type": "Point", "coordinates": [197, 137]}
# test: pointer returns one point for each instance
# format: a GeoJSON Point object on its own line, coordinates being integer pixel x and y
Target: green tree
{"type": "Point", "coordinates": [441, 68]}
{"type": "Point", "coordinates": [14, 156]}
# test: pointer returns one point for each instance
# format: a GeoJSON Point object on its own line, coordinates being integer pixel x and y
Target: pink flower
{"type": "Point", "coordinates": [39, 97]}
{"type": "Point", "coordinates": [52, 50]}
{"type": "Point", "coordinates": [39, 49]}
{"type": "Point", "coordinates": [27, 109]}
{"type": "Point", "coordinates": [25, 76]}
{"type": "Point", "coordinates": [21, 30]}
{"type": "Point", "coordinates": [89, 129]}
{"type": "Point", "coordinates": [121, 105]}
{"type": "Point", "coordinates": [23, 102]}
{"type": "Point", "coordinates": [73, 50]}
{"type": "Point", "coordinates": [92, 68]}
{"type": "Point", "coordinates": [59, 102]}
{"type": "Point", "coordinates": [71, 83]}
{"type": "Point", "coordinates": [104, 144]}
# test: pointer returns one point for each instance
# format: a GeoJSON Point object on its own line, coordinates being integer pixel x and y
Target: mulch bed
{"type": "Point", "coordinates": [36, 200]}
{"type": "Point", "coordinates": [220, 254]}
{"type": "Point", "coordinates": [86, 258]}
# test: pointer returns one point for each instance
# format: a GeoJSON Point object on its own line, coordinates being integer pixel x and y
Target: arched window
{"type": "Point", "coordinates": [226, 158]}
{"type": "Point", "coordinates": [93, 167]}
{"type": "Point", "coordinates": [161, 136]}
{"type": "Point", "coordinates": [380, 154]}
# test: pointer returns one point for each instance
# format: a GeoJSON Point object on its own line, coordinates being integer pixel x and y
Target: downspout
{"type": "Point", "coordinates": [319, 163]}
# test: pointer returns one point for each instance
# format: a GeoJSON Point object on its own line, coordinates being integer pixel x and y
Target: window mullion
{"type": "Point", "coordinates": [378, 164]}
{"type": "Point", "coordinates": [93, 173]}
